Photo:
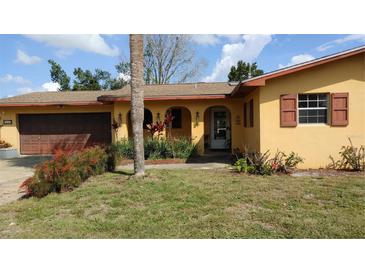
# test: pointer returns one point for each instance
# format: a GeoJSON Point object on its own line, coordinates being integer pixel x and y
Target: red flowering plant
{"type": "Point", "coordinates": [65, 171]}
{"type": "Point", "coordinates": [159, 126]}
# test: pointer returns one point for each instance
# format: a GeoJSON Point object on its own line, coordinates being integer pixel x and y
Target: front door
{"type": "Point", "coordinates": [220, 132]}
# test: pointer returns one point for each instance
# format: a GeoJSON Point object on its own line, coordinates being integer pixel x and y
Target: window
{"type": "Point", "coordinates": [312, 108]}
{"type": "Point", "coordinates": [147, 118]}
{"type": "Point", "coordinates": [176, 113]}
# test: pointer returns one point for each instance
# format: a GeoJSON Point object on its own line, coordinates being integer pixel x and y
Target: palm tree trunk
{"type": "Point", "coordinates": [137, 104]}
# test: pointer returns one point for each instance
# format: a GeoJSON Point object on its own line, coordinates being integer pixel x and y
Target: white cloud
{"type": "Point", "coordinates": [124, 77]}
{"type": "Point", "coordinates": [24, 90]}
{"type": "Point", "coordinates": [22, 57]}
{"type": "Point", "coordinates": [248, 49]}
{"type": "Point", "coordinates": [15, 79]}
{"type": "Point", "coordinates": [50, 86]}
{"type": "Point", "coordinates": [297, 59]}
{"type": "Point", "coordinates": [348, 38]}
{"type": "Point", "coordinates": [213, 39]}
{"type": "Point", "coordinates": [86, 42]}
{"type": "Point", "coordinates": [205, 39]}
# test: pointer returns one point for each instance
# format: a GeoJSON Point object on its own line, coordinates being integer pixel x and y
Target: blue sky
{"type": "Point", "coordinates": [24, 67]}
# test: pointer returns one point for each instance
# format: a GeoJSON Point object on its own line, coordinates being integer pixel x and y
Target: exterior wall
{"type": "Point", "coordinates": [251, 135]}
{"type": "Point", "coordinates": [315, 142]}
{"type": "Point", "coordinates": [196, 107]}
{"type": "Point", "coordinates": [10, 133]}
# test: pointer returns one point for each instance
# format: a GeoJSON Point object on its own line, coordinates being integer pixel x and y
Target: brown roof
{"type": "Point", "coordinates": [54, 97]}
{"type": "Point", "coordinates": [153, 92]}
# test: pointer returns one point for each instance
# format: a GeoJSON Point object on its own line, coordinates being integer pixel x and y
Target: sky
{"type": "Point", "coordinates": [24, 67]}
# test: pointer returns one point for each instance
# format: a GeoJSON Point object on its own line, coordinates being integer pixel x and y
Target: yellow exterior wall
{"type": "Point", "coordinates": [251, 135]}
{"type": "Point", "coordinates": [10, 133]}
{"type": "Point", "coordinates": [315, 142]}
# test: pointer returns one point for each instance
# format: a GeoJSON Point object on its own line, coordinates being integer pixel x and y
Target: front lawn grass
{"type": "Point", "coordinates": [194, 204]}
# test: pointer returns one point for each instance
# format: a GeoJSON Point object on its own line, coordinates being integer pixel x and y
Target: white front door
{"type": "Point", "coordinates": [220, 132]}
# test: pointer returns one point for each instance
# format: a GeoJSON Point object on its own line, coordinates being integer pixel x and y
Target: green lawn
{"type": "Point", "coordinates": [194, 204]}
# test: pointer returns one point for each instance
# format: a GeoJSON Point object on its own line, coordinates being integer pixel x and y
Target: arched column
{"type": "Point", "coordinates": [120, 115]}
{"type": "Point", "coordinates": [197, 128]}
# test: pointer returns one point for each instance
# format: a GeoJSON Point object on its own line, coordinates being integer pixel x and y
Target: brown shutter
{"type": "Point", "coordinates": [288, 110]}
{"type": "Point", "coordinates": [245, 114]}
{"type": "Point", "coordinates": [251, 113]}
{"type": "Point", "coordinates": [339, 109]}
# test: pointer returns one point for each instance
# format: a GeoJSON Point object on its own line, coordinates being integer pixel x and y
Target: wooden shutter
{"type": "Point", "coordinates": [339, 109]}
{"type": "Point", "coordinates": [251, 113]}
{"type": "Point", "coordinates": [245, 114]}
{"type": "Point", "coordinates": [288, 110]}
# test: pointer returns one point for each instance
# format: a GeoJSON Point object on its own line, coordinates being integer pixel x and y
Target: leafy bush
{"type": "Point", "coordinates": [124, 149]}
{"type": "Point", "coordinates": [284, 163]}
{"type": "Point", "coordinates": [261, 164]}
{"type": "Point", "coordinates": [182, 147]}
{"type": "Point", "coordinates": [4, 144]}
{"type": "Point", "coordinates": [242, 166]}
{"type": "Point", "coordinates": [66, 171]}
{"type": "Point", "coordinates": [351, 158]}
{"type": "Point", "coordinates": [158, 148]}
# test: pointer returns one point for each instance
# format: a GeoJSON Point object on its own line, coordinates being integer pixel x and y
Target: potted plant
{"type": "Point", "coordinates": [7, 151]}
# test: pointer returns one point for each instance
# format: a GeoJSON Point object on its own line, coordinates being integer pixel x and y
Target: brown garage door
{"type": "Point", "coordinates": [43, 133]}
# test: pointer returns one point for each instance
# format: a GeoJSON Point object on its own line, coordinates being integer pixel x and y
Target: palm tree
{"type": "Point", "coordinates": [137, 104]}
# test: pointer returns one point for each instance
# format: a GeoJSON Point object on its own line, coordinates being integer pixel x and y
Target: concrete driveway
{"type": "Point", "coordinates": [13, 172]}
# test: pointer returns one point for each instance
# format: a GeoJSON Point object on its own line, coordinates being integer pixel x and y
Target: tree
{"type": "Point", "coordinates": [58, 75]}
{"type": "Point", "coordinates": [169, 58]}
{"type": "Point", "coordinates": [137, 104]}
{"type": "Point", "coordinates": [86, 80]}
{"type": "Point", "coordinates": [243, 71]}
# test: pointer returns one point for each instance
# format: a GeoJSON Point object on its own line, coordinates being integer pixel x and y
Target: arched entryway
{"type": "Point", "coordinates": [146, 120]}
{"type": "Point", "coordinates": [217, 128]}
{"type": "Point", "coordinates": [181, 122]}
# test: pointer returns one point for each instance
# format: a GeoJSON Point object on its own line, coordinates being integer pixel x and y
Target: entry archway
{"type": "Point", "coordinates": [181, 123]}
{"type": "Point", "coordinates": [217, 128]}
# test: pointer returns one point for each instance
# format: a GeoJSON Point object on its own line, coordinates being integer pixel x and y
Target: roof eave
{"type": "Point", "coordinates": [261, 80]}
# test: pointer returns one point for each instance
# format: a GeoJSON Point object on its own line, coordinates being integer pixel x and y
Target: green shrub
{"type": "Point", "coordinates": [124, 149]}
{"type": "Point", "coordinates": [66, 171]}
{"type": "Point", "coordinates": [260, 163]}
{"type": "Point", "coordinates": [157, 148]}
{"type": "Point", "coordinates": [182, 147]}
{"type": "Point", "coordinates": [112, 153]}
{"type": "Point", "coordinates": [351, 158]}
{"type": "Point", "coordinates": [284, 163]}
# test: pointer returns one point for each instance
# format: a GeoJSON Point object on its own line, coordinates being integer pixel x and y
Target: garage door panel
{"type": "Point", "coordinates": [43, 133]}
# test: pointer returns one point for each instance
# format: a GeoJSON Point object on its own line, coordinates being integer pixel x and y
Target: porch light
{"type": "Point", "coordinates": [158, 116]}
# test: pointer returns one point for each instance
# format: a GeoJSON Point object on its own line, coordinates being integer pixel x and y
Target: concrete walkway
{"type": "Point", "coordinates": [13, 172]}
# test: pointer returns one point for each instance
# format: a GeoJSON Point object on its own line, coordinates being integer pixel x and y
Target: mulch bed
{"type": "Point", "coordinates": [154, 162]}
{"type": "Point", "coordinates": [325, 172]}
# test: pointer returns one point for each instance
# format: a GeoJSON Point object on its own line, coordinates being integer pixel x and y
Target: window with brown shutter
{"type": "Point", "coordinates": [251, 113]}
{"type": "Point", "coordinates": [288, 110]}
{"type": "Point", "coordinates": [245, 114]}
{"type": "Point", "coordinates": [339, 109]}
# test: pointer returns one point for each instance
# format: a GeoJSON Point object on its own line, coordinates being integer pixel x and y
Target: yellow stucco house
{"type": "Point", "coordinates": [310, 108]}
